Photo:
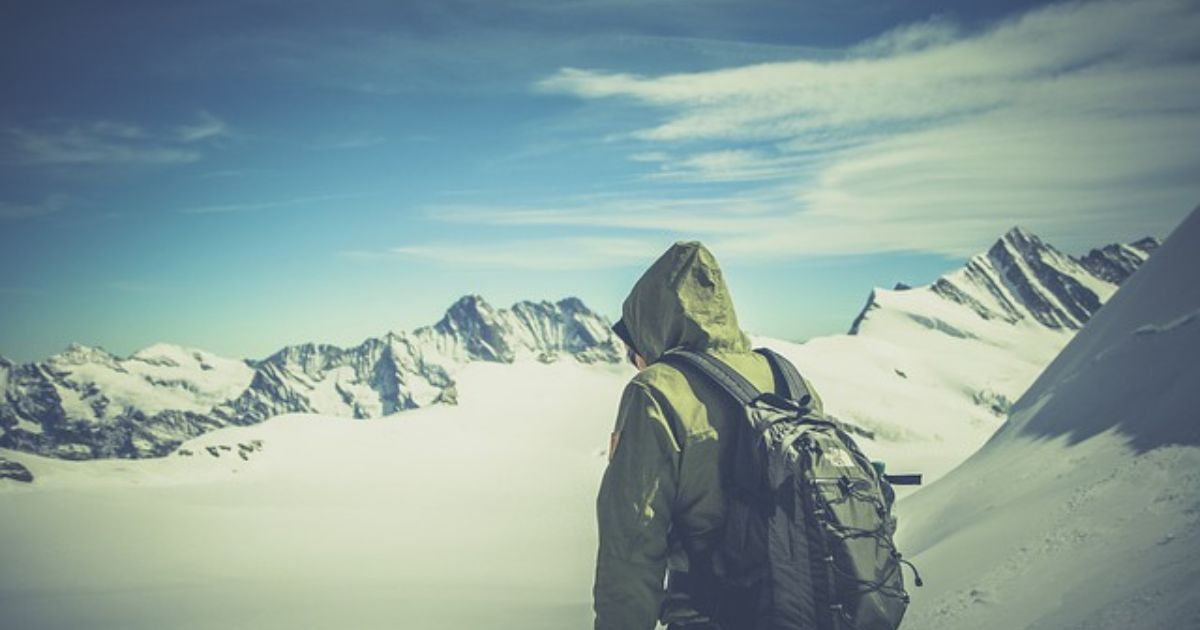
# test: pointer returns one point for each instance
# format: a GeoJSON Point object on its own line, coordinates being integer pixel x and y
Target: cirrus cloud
{"type": "Point", "coordinates": [1078, 120]}
{"type": "Point", "coordinates": [108, 142]}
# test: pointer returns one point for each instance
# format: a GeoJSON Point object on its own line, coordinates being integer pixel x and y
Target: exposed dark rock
{"type": "Point", "coordinates": [1116, 262]}
{"type": "Point", "coordinates": [871, 305]}
{"type": "Point", "coordinates": [15, 471]}
{"type": "Point", "coordinates": [1021, 277]}
{"type": "Point", "coordinates": [1047, 291]}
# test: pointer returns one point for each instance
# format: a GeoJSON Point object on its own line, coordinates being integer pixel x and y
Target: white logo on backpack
{"type": "Point", "coordinates": [839, 458]}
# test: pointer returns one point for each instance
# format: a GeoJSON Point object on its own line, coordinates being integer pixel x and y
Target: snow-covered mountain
{"type": "Point", "coordinates": [1117, 262]}
{"type": "Point", "coordinates": [934, 369]}
{"type": "Point", "coordinates": [474, 330]}
{"type": "Point", "coordinates": [1083, 510]}
{"type": "Point", "coordinates": [85, 402]}
{"type": "Point", "coordinates": [1020, 278]}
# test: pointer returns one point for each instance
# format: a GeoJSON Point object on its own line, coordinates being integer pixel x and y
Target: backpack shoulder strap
{"type": "Point", "coordinates": [716, 371]}
{"type": "Point", "coordinates": [787, 375]}
{"type": "Point", "coordinates": [798, 391]}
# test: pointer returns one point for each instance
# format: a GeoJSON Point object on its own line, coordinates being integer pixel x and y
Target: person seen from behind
{"type": "Point", "coordinates": [661, 504]}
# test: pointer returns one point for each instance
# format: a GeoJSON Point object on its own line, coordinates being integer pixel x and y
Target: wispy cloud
{"type": "Point", "coordinates": [650, 156]}
{"type": "Point", "coordinates": [734, 165]}
{"type": "Point", "coordinates": [1007, 66]}
{"type": "Point", "coordinates": [909, 38]}
{"type": "Point", "coordinates": [206, 127]}
{"type": "Point", "coordinates": [268, 205]}
{"type": "Point", "coordinates": [1079, 119]}
{"type": "Point", "coordinates": [727, 213]}
{"type": "Point", "coordinates": [236, 173]}
{"type": "Point", "coordinates": [356, 140]}
{"type": "Point", "coordinates": [543, 254]}
{"type": "Point", "coordinates": [48, 205]}
{"type": "Point", "coordinates": [107, 142]}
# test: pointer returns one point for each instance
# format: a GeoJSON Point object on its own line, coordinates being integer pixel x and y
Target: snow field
{"type": "Point", "coordinates": [475, 516]}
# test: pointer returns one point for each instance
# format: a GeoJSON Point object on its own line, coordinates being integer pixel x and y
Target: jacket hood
{"type": "Point", "coordinates": [681, 302]}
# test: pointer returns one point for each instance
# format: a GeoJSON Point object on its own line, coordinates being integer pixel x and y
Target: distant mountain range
{"type": "Point", "coordinates": [86, 403]}
{"type": "Point", "coordinates": [1021, 278]}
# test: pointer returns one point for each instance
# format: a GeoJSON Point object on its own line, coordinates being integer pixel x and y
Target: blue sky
{"type": "Point", "coordinates": [240, 176]}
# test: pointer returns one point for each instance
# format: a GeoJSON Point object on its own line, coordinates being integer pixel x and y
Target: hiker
{"type": "Point", "coordinates": [790, 530]}
{"type": "Point", "coordinates": [661, 493]}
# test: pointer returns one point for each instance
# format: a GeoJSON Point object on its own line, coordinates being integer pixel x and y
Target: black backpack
{"type": "Point", "coordinates": [807, 542]}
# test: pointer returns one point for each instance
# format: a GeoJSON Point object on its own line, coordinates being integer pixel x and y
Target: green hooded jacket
{"type": "Point", "coordinates": [662, 488]}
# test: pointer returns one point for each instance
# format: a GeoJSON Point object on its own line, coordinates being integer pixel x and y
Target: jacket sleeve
{"type": "Point", "coordinates": [634, 515]}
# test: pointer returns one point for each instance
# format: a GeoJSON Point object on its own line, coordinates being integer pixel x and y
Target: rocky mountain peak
{"type": "Point", "coordinates": [1021, 241]}
{"type": "Point", "coordinates": [1147, 244]}
{"type": "Point", "coordinates": [309, 358]}
{"type": "Point", "coordinates": [573, 305]}
{"type": "Point", "coordinates": [472, 327]}
{"type": "Point", "coordinates": [1019, 233]}
{"type": "Point", "coordinates": [871, 305]}
{"type": "Point", "coordinates": [1116, 262]}
{"type": "Point", "coordinates": [77, 354]}
{"type": "Point", "coordinates": [471, 306]}
{"type": "Point", "coordinates": [1021, 278]}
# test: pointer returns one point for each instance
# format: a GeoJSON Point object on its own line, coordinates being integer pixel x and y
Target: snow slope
{"type": "Point", "coordinates": [475, 516]}
{"type": "Point", "coordinates": [931, 399]}
{"type": "Point", "coordinates": [1083, 511]}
